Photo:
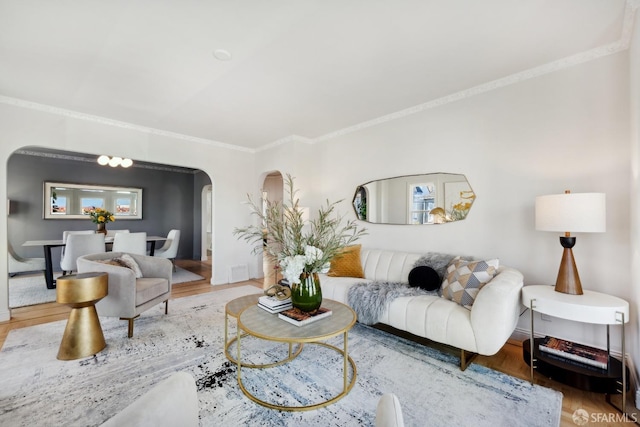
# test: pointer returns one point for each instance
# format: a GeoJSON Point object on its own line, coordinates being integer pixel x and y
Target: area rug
{"type": "Point", "coordinates": [39, 390]}
{"type": "Point", "coordinates": [30, 289]}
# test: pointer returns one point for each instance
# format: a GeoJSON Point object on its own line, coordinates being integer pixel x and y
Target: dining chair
{"type": "Point", "coordinates": [78, 245]}
{"type": "Point", "coordinates": [170, 248]}
{"type": "Point", "coordinates": [112, 233]}
{"type": "Point", "coordinates": [18, 264]}
{"type": "Point", "coordinates": [67, 233]}
{"type": "Point", "coordinates": [131, 243]}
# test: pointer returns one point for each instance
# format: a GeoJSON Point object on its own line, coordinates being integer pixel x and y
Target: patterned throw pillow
{"type": "Point", "coordinates": [347, 263]}
{"type": "Point", "coordinates": [127, 260]}
{"type": "Point", "coordinates": [464, 279]}
{"type": "Point", "coordinates": [124, 261]}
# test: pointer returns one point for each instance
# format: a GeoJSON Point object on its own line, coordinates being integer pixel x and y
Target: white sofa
{"type": "Point", "coordinates": [482, 330]}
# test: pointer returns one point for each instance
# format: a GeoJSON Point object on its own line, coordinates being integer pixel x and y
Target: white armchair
{"type": "Point", "coordinates": [18, 264]}
{"type": "Point", "coordinates": [128, 295]}
{"type": "Point", "coordinates": [171, 402]}
{"type": "Point", "coordinates": [389, 412]}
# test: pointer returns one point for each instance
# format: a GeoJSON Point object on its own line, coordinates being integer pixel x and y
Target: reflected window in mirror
{"type": "Point", "coordinates": [434, 198]}
{"type": "Point", "coordinates": [75, 201]}
{"type": "Point", "coordinates": [422, 202]}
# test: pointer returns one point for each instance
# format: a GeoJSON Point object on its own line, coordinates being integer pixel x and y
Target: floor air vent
{"type": "Point", "coordinates": [238, 273]}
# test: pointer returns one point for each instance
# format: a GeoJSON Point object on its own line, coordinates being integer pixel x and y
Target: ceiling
{"type": "Point", "coordinates": [301, 69]}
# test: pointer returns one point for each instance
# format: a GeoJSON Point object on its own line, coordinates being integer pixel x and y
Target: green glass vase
{"type": "Point", "coordinates": [307, 295]}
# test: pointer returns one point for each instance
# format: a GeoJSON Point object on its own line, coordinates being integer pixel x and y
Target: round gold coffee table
{"type": "Point", "coordinates": [233, 309]}
{"type": "Point", "coordinates": [257, 322]}
{"type": "Point", "coordinates": [83, 334]}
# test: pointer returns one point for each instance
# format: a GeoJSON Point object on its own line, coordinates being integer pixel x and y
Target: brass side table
{"type": "Point", "coordinates": [83, 335]}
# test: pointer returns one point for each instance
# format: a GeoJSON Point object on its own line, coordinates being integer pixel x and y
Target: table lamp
{"type": "Point", "coordinates": [570, 212]}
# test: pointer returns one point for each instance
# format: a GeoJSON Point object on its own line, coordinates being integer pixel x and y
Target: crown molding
{"type": "Point", "coordinates": [15, 102]}
{"type": "Point", "coordinates": [70, 157]}
{"type": "Point", "coordinates": [631, 6]}
{"type": "Point", "coordinates": [551, 67]}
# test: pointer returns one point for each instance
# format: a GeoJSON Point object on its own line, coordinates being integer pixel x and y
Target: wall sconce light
{"type": "Point", "coordinates": [577, 212]}
{"type": "Point", "coordinates": [114, 161]}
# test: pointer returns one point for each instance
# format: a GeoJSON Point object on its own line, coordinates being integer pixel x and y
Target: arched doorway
{"type": "Point", "coordinates": [170, 198]}
{"type": "Point", "coordinates": [207, 223]}
{"type": "Point", "coordinates": [272, 191]}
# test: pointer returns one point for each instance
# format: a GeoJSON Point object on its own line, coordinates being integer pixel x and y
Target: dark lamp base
{"type": "Point", "coordinates": [568, 281]}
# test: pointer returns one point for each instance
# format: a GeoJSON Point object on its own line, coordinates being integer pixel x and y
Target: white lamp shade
{"type": "Point", "coordinates": [571, 212]}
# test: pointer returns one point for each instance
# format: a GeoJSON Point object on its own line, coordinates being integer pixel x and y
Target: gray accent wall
{"type": "Point", "coordinates": [170, 199]}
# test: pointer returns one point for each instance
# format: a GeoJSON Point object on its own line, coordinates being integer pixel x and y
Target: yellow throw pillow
{"type": "Point", "coordinates": [347, 263]}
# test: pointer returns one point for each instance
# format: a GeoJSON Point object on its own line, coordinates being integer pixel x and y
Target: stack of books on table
{"type": "Point", "coordinates": [576, 352]}
{"type": "Point", "coordinates": [300, 318]}
{"type": "Point", "coordinates": [273, 304]}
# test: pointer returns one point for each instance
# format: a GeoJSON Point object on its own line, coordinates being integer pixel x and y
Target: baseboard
{"type": "Point", "coordinates": [635, 381]}
{"type": "Point", "coordinates": [519, 335]}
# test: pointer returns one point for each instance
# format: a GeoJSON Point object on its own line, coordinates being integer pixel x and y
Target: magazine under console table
{"type": "Point", "coordinates": [591, 307]}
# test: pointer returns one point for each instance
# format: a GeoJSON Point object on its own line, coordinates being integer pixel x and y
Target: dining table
{"type": "Point", "coordinates": [47, 245]}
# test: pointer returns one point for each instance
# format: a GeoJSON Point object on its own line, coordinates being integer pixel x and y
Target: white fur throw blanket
{"type": "Point", "coordinates": [369, 299]}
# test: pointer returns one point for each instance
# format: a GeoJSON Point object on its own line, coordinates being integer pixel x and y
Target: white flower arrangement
{"type": "Point", "coordinates": [300, 246]}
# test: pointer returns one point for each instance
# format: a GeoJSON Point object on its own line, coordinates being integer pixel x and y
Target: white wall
{"type": "Point", "coordinates": [565, 130]}
{"type": "Point", "coordinates": [231, 171]}
{"type": "Point", "coordinates": [634, 283]}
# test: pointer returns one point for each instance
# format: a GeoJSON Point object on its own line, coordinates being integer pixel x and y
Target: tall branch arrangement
{"type": "Point", "coordinates": [301, 246]}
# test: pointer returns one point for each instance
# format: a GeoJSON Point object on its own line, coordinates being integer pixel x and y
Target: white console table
{"type": "Point", "coordinates": [591, 307]}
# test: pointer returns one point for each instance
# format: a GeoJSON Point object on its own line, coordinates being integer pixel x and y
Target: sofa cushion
{"type": "Point", "coordinates": [424, 277]}
{"type": "Point", "coordinates": [464, 280]}
{"type": "Point", "coordinates": [347, 263]}
{"type": "Point", "coordinates": [148, 288]}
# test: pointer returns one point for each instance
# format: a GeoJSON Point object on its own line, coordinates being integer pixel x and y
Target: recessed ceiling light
{"type": "Point", "coordinates": [222, 55]}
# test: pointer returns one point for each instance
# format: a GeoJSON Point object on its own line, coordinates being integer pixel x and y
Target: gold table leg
{"type": "Point", "coordinates": [348, 385]}
{"type": "Point", "coordinates": [229, 342]}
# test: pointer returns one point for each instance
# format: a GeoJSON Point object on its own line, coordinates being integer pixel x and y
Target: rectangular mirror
{"type": "Point", "coordinates": [74, 201]}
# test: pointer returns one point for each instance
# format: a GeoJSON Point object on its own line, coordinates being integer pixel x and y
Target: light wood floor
{"type": "Point", "coordinates": [508, 359]}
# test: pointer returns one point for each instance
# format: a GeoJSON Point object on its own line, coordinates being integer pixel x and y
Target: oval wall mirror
{"type": "Point", "coordinates": [434, 198]}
